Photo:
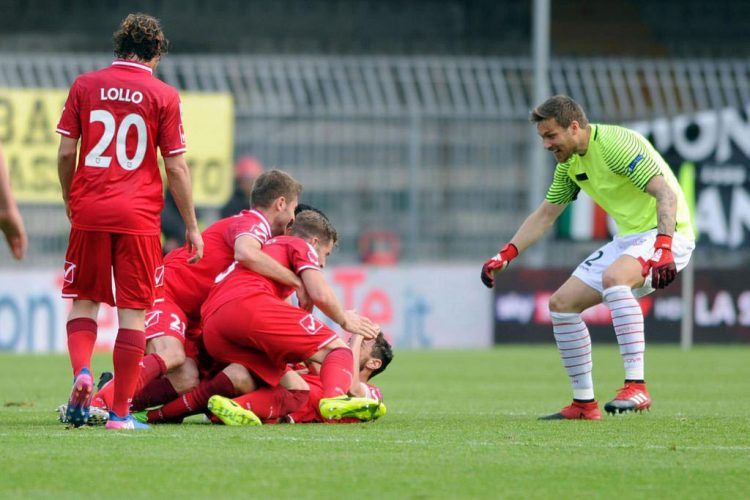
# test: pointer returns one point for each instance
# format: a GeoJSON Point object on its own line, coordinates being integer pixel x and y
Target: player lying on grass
{"type": "Point", "coordinates": [247, 322]}
{"type": "Point", "coordinates": [172, 325]}
{"type": "Point", "coordinates": [271, 404]}
{"type": "Point", "coordinates": [630, 180]}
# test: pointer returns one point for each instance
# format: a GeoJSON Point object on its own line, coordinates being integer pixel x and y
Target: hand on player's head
{"type": "Point", "coordinates": [359, 325]}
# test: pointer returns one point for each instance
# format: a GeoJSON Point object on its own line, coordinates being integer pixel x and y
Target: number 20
{"type": "Point", "coordinates": [95, 158]}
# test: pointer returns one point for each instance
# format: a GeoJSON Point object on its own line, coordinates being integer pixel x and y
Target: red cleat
{"type": "Point", "coordinates": [633, 396]}
{"type": "Point", "coordinates": [577, 411]}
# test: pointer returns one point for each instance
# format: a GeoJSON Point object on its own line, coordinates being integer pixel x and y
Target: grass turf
{"type": "Point", "coordinates": [460, 424]}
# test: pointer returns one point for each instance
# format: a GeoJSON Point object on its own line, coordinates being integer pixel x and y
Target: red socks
{"type": "Point", "coordinates": [336, 372]}
{"type": "Point", "coordinates": [81, 340]}
{"type": "Point", "coordinates": [194, 401]}
{"type": "Point", "coordinates": [152, 367]}
{"type": "Point", "coordinates": [273, 402]}
{"type": "Point", "coordinates": [155, 393]}
{"type": "Point", "coordinates": [126, 358]}
{"type": "Point", "coordinates": [147, 391]}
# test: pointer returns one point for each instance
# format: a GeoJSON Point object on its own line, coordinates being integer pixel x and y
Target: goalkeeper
{"type": "Point", "coordinates": [626, 176]}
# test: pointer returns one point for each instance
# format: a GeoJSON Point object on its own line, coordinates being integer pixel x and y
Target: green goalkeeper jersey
{"type": "Point", "coordinates": [614, 172]}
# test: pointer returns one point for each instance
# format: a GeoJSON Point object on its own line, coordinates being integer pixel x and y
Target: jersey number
{"type": "Point", "coordinates": [596, 256]}
{"type": "Point", "coordinates": [225, 273]}
{"type": "Point", "coordinates": [177, 325]}
{"type": "Point", "coordinates": [95, 158]}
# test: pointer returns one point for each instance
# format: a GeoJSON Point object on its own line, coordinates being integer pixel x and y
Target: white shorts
{"type": "Point", "coordinates": [639, 246]}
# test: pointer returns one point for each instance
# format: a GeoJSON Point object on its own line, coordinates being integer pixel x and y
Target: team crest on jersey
{"type": "Point", "coordinates": [311, 324]}
{"type": "Point", "coordinates": [159, 276]}
{"type": "Point", "coordinates": [152, 318]}
{"type": "Point", "coordinates": [69, 272]}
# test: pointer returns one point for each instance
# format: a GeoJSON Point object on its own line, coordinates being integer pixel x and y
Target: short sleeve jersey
{"type": "Point", "coordinates": [239, 282]}
{"type": "Point", "coordinates": [121, 115]}
{"type": "Point", "coordinates": [187, 285]}
{"type": "Point", "coordinates": [614, 172]}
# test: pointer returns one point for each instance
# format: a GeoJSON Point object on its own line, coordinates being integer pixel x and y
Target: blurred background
{"type": "Point", "coordinates": [407, 123]}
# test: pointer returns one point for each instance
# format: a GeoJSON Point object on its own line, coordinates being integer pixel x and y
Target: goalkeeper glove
{"type": "Point", "coordinates": [661, 264]}
{"type": "Point", "coordinates": [498, 263]}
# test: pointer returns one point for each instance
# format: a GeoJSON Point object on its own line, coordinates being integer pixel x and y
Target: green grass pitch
{"type": "Point", "coordinates": [460, 424]}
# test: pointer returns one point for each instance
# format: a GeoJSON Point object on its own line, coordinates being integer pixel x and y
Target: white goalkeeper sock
{"type": "Point", "coordinates": [574, 343]}
{"type": "Point", "coordinates": [627, 318]}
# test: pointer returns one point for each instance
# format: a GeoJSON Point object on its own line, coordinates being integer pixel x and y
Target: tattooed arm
{"type": "Point", "coordinates": [666, 204]}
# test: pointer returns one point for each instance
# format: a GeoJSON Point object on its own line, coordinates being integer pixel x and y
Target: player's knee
{"type": "Point", "coordinates": [174, 357]}
{"type": "Point", "coordinates": [241, 379]}
{"type": "Point", "coordinates": [558, 303]}
{"type": "Point", "coordinates": [294, 382]}
{"type": "Point", "coordinates": [185, 377]}
{"type": "Point", "coordinates": [169, 349]}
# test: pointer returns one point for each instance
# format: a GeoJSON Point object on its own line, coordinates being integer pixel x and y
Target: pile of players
{"type": "Point", "coordinates": [224, 339]}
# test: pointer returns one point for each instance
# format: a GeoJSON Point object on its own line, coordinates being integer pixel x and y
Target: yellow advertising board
{"type": "Point", "coordinates": [27, 133]}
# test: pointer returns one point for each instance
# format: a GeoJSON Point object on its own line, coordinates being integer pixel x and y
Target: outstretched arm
{"type": "Point", "coordinates": [529, 233]}
{"type": "Point", "coordinates": [536, 224]}
{"type": "Point", "coordinates": [325, 299]}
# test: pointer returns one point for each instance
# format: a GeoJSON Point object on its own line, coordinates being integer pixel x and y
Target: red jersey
{"type": "Point", "coordinates": [238, 282]}
{"type": "Point", "coordinates": [187, 285]}
{"type": "Point", "coordinates": [121, 113]}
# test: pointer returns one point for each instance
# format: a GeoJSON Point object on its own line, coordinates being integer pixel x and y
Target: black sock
{"type": "Point", "coordinates": [584, 400]}
{"type": "Point", "coordinates": [630, 381]}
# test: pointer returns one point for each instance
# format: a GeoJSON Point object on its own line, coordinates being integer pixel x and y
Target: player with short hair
{"type": "Point", "coordinates": [246, 320]}
{"type": "Point", "coordinates": [173, 323]}
{"type": "Point", "coordinates": [120, 115]}
{"type": "Point", "coordinates": [623, 173]}
{"type": "Point", "coordinates": [267, 404]}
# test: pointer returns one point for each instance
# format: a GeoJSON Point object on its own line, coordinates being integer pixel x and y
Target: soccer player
{"type": "Point", "coordinates": [247, 323]}
{"type": "Point", "coordinates": [120, 115]}
{"type": "Point", "coordinates": [245, 315]}
{"type": "Point", "coordinates": [371, 357]}
{"type": "Point", "coordinates": [177, 315]}
{"type": "Point", "coordinates": [11, 223]}
{"type": "Point", "coordinates": [628, 178]}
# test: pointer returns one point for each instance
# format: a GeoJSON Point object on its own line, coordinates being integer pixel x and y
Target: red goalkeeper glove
{"type": "Point", "coordinates": [661, 264]}
{"type": "Point", "coordinates": [498, 263]}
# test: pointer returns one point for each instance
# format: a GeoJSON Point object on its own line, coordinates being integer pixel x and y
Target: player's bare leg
{"type": "Point", "coordinates": [81, 328]}
{"type": "Point", "coordinates": [184, 378]}
{"type": "Point", "coordinates": [618, 281]}
{"type": "Point", "coordinates": [574, 343]}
